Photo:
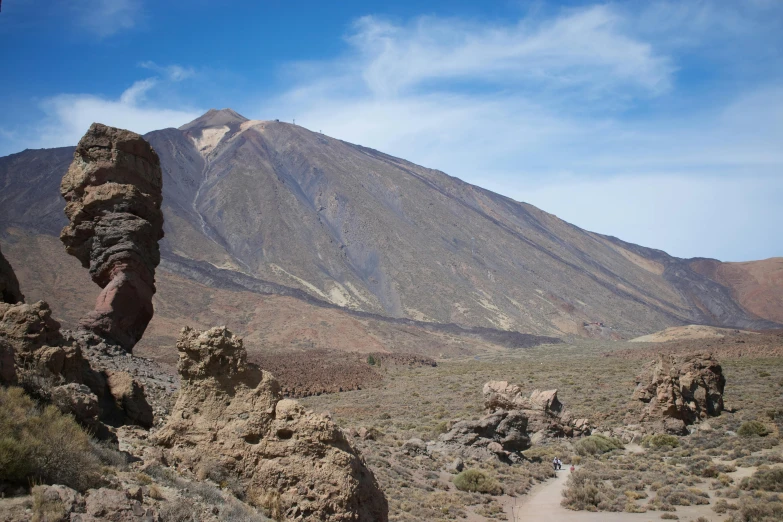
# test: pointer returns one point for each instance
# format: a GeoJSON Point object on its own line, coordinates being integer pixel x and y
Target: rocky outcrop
{"type": "Point", "coordinates": [9, 285]}
{"type": "Point", "coordinates": [513, 423]}
{"type": "Point", "coordinates": [680, 390]}
{"type": "Point", "coordinates": [52, 366]}
{"type": "Point", "coordinates": [129, 397]}
{"type": "Point", "coordinates": [95, 505]}
{"type": "Point", "coordinates": [113, 197]}
{"type": "Point", "coordinates": [230, 415]}
{"type": "Point", "coordinates": [502, 434]}
{"type": "Point", "coordinates": [547, 417]}
{"type": "Point", "coordinates": [37, 342]}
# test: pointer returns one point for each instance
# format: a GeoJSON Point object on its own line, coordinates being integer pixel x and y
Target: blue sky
{"type": "Point", "coordinates": [657, 122]}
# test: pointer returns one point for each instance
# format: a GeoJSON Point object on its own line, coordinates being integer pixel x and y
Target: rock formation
{"type": "Point", "coordinates": [9, 285]}
{"type": "Point", "coordinates": [513, 422]}
{"type": "Point", "coordinates": [113, 197]}
{"type": "Point", "coordinates": [502, 434]}
{"type": "Point", "coordinates": [680, 390]}
{"type": "Point", "coordinates": [547, 417]}
{"type": "Point", "coordinates": [230, 415]}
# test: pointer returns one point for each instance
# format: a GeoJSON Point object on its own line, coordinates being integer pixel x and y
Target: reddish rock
{"type": "Point", "coordinates": [113, 194]}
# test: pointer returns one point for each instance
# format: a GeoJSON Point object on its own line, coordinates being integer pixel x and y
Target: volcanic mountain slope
{"type": "Point", "coordinates": [268, 204]}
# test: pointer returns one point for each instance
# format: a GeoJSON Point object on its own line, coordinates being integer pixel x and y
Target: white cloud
{"type": "Point", "coordinates": [175, 73]}
{"type": "Point", "coordinates": [585, 48]}
{"type": "Point", "coordinates": [70, 115]}
{"type": "Point", "coordinates": [539, 111]}
{"type": "Point", "coordinates": [107, 17]}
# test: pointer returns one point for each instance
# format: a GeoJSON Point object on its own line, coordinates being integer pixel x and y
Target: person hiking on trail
{"type": "Point", "coordinates": [572, 468]}
{"type": "Point", "coordinates": [559, 464]}
{"type": "Point", "coordinates": [555, 463]}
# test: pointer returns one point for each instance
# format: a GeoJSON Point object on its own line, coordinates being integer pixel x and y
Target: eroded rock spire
{"type": "Point", "coordinates": [113, 194]}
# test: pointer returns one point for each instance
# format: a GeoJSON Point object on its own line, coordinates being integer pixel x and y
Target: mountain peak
{"type": "Point", "coordinates": [215, 118]}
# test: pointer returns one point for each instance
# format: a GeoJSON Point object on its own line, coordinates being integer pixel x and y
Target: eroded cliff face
{"type": "Point", "coordinates": [230, 415]}
{"type": "Point", "coordinates": [680, 390]}
{"type": "Point", "coordinates": [113, 191]}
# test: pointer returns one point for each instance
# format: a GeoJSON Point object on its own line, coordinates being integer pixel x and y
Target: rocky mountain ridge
{"type": "Point", "coordinates": [273, 205]}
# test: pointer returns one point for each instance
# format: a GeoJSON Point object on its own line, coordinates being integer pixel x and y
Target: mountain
{"type": "Point", "coordinates": [265, 207]}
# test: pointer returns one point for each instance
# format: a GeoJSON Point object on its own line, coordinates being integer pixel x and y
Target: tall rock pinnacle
{"type": "Point", "coordinates": [113, 194]}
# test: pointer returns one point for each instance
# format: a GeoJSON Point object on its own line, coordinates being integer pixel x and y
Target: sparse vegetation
{"type": "Point", "coordinates": [477, 481]}
{"type": "Point", "coordinates": [41, 445]}
{"type": "Point", "coordinates": [660, 440]}
{"type": "Point", "coordinates": [752, 429]}
{"type": "Point", "coordinates": [596, 445]}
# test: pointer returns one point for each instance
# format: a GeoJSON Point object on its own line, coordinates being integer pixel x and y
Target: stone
{"type": "Point", "coordinates": [680, 390]}
{"type": "Point", "coordinates": [113, 194]}
{"type": "Point", "coordinates": [277, 448]}
{"type": "Point", "coordinates": [28, 327]}
{"type": "Point", "coordinates": [79, 401]}
{"type": "Point", "coordinates": [113, 506]}
{"type": "Point", "coordinates": [129, 397]}
{"type": "Point", "coordinates": [9, 284]}
{"type": "Point", "coordinates": [414, 447]}
{"type": "Point", "coordinates": [502, 433]}
{"type": "Point", "coordinates": [70, 499]}
{"type": "Point", "coordinates": [545, 413]}
{"type": "Point", "coordinates": [456, 466]}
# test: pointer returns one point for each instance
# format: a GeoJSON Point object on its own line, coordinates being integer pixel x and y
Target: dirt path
{"type": "Point", "coordinates": [543, 505]}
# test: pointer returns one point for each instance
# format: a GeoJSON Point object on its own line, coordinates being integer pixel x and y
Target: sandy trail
{"type": "Point", "coordinates": [543, 505]}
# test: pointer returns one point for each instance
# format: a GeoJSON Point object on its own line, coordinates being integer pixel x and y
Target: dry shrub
{"type": "Point", "coordinates": [268, 502]}
{"type": "Point", "coordinates": [758, 509]}
{"type": "Point", "coordinates": [597, 445]}
{"type": "Point", "coordinates": [42, 445]}
{"type": "Point", "coordinates": [155, 492]}
{"type": "Point", "coordinates": [178, 510]}
{"type": "Point", "coordinates": [46, 509]}
{"type": "Point", "coordinates": [476, 481]}
{"type": "Point", "coordinates": [753, 429]}
{"type": "Point", "coordinates": [770, 479]}
{"type": "Point", "coordinates": [587, 491]}
{"type": "Point", "coordinates": [660, 440]}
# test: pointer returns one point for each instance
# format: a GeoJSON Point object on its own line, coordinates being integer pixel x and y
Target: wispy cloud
{"type": "Point", "coordinates": [107, 17]}
{"type": "Point", "coordinates": [554, 105]}
{"type": "Point", "coordinates": [175, 73]}
{"type": "Point", "coordinates": [137, 108]}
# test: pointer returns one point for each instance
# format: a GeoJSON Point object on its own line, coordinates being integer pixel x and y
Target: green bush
{"type": "Point", "coordinates": [477, 481]}
{"type": "Point", "coordinates": [596, 445]}
{"type": "Point", "coordinates": [752, 428]}
{"type": "Point", "coordinates": [660, 440]}
{"type": "Point", "coordinates": [41, 445]}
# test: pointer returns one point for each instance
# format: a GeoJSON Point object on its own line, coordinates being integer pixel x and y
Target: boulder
{"type": "Point", "coordinates": [502, 433]}
{"type": "Point", "coordinates": [414, 447]}
{"type": "Point", "coordinates": [9, 285]}
{"type": "Point", "coordinates": [231, 414]}
{"type": "Point", "coordinates": [113, 194]}
{"type": "Point", "coordinates": [129, 397]}
{"type": "Point", "coordinates": [546, 415]}
{"type": "Point", "coordinates": [79, 401]}
{"type": "Point", "coordinates": [680, 390]}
